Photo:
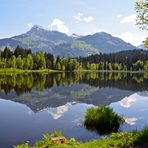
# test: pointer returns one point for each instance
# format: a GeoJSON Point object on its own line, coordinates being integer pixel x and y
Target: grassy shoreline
{"type": "Point", "coordinates": [17, 71]}
{"type": "Point", "coordinates": [118, 140]}
{"type": "Point", "coordinates": [111, 71]}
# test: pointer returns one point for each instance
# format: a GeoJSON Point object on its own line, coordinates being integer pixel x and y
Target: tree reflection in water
{"type": "Point", "coordinates": [23, 83]}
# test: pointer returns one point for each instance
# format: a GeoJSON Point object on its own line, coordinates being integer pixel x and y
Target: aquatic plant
{"type": "Point", "coordinates": [102, 119]}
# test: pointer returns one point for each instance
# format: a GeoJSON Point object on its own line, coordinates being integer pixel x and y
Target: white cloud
{"type": "Point", "coordinates": [78, 17]}
{"type": "Point", "coordinates": [59, 112]}
{"type": "Point", "coordinates": [131, 121]}
{"type": "Point", "coordinates": [119, 16]}
{"type": "Point", "coordinates": [81, 17]}
{"type": "Point", "coordinates": [30, 25]}
{"type": "Point", "coordinates": [129, 19]}
{"type": "Point", "coordinates": [132, 38]}
{"type": "Point", "coordinates": [88, 19]}
{"type": "Point", "coordinates": [128, 101]}
{"type": "Point", "coordinates": [58, 25]}
{"type": "Point", "coordinates": [30, 113]}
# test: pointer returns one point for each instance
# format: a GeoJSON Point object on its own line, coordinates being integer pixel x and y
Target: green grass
{"type": "Point", "coordinates": [112, 71]}
{"type": "Point", "coordinates": [42, 71]}
{"type": "Point", "coordinates": [102, 119]}
{"type": "Point", "coordinates": [56, 133]}
{"type": "Point", "coordinates": [142, 136]}
{"type": "Point", "coordinates": [118, 140]}
{"type": "Point", "coordinates": [8, 71]}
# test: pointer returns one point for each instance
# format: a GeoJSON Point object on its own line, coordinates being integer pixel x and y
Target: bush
{"type": "Point", "coordinates": [142, 136]}
{"type": "Point", "coordinates": [25, 145]}
{"type": "Point", "coordinates": [56, 133]}
{"type": "Point", "coordinates": [102, 119]}
{"type": "Point", "coordinates": [118, 140]}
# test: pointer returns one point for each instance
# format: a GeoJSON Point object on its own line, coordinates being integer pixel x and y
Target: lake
{"type": "Point", "coordinates": [34, 104]}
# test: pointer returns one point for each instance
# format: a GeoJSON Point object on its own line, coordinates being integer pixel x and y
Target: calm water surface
{"type": "Point", "coordinates": [35, 104]}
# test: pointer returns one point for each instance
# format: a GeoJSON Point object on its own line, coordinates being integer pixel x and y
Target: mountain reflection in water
{"type": "Point", "coordinates": [34, 104]}
{"type": "Point", "coordinates": [39, 91]}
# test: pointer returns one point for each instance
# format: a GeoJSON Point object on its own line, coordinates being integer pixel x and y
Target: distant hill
{"type": "Point", "coordinates": [127, 57]}
{"type": "Point", "coordinates": [142, 47]}
{"type": "Point", "coordinates": [107, 43]}
{"type": "Point", "coordinates": [74, 49]}
{"type": "Point", "coordinates": [38, 38]}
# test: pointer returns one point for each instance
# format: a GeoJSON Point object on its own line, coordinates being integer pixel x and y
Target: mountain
{"type": "Point", "coordinates": [54, 42]}
{"type": "Point", "coordinates": [107, 43]}
{"type": "Point", "coordinates": [38, 38]}
{"type": "Point", "coordinates": [74, 49]}
{"type": "Point", "coordinates": [142, 47]}
{"type": "Point", "coordinates": [75, 36]}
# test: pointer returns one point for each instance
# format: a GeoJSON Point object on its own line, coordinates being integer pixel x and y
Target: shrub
{"type": "Point", "coordinates": [118, 140]}
{"type": "Point", "coordinates": [102, 119]}
{"type": "Point", "coordinates": [56, 133]}
{"type": "Point", "coordinates": [25, 145]}
{"type": "Point", "coordinates": [142, 136]}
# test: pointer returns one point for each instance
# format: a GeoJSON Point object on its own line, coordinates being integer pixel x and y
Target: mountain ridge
{"type": "Point", "coordinates": [60, 44]}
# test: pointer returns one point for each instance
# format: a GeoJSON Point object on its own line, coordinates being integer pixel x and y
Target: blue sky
{"type": "Point", "coordinates": [71, 16]}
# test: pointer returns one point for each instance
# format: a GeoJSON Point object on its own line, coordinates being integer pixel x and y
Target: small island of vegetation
{"type": "Point", "coordinates": [102, 119]}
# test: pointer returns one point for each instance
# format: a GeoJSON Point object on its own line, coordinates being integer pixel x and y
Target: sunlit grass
{"type": "Point", "coordinates": [56, 133]}
{"type": "Point", "coordinates": [8, 71]}
{"type": "Point", "coordinates": [120, 140]}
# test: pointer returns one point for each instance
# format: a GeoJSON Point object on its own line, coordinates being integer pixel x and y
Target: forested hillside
{"type": "Point", "coordinates": [132, 60]}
